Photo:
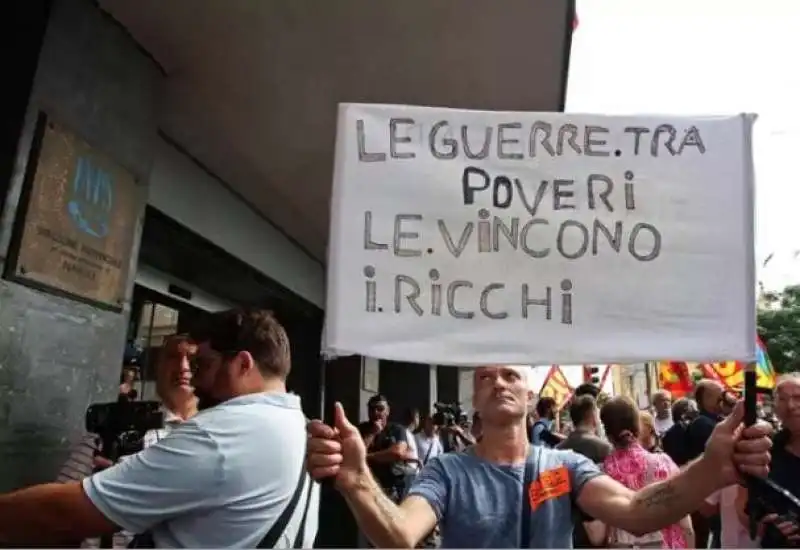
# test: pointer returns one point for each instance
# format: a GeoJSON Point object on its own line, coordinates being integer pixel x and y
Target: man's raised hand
{"type": "Point", "coordinates": [735, 449]}
{"type": "Point", "coordinates": [337, 452]}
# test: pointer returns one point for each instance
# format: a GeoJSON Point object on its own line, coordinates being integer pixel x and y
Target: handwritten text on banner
{"type": "Point", "coordinates": [469, 237]}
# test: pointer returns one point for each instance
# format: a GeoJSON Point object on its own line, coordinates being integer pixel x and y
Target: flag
{"type": "Point", "coordinates": [765, 371]}
{"type": "Point", "coordinates": [730, 373]}
{"type": "Point", "coordinates": [605, 375]}
{"type": "Point", "coordinates": [556, 386]}
{"type": "Point", "coordinates": [674, 377]}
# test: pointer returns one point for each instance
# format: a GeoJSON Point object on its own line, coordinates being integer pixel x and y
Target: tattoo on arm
{"type": "Point", "coordinates": [658, 495]}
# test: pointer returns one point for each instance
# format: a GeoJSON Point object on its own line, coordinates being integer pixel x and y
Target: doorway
{"type": "Point", "coordinates": [154, 318]}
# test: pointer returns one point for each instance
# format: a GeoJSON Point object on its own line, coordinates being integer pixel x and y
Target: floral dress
{"type": "Point", "coordinates": [636, 468]}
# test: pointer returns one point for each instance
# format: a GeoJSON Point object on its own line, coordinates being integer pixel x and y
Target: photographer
{"type": "Point", "coordinates": [782, 531]}
{"type": "Point", "coordinates": [454, 437]}
{"type": "Point", "coordinates": [232, 476]}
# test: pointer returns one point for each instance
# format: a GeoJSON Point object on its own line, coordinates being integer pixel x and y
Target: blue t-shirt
{"type": "Point", "coordinates": [479, 504]}
{"type": "Point", "coordinates": [538, 428]}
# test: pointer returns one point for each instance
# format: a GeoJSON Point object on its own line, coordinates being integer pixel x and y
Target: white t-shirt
{"type": "Point", "coordinates": [426, 444]}
{"type": "Point", "coordinates": [219, 480]}
{"type": "Point", "coordinates": [412, 446]}
{"type": "Point", "coordinates": [734, 534]}
{"type": "Point", "coordinates": [662, 425]}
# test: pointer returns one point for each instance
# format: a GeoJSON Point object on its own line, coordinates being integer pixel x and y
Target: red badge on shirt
{"type": "Point", "coordinates": [551, 484]}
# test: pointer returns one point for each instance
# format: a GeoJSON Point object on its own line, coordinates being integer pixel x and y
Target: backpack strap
{"type": "Point", "coordinates": [301, 531]}
{"type": "Point", "coordinates": [525, 520]}
{"type": "Point", "coordinates": [277, 529]}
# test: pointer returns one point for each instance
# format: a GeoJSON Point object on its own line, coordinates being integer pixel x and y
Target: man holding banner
{"type": "Point", "coordinates": [476, 496]}
{"type": "Point", "coordinates": [490, 239]}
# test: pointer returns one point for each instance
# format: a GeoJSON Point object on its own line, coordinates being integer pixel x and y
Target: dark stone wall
{"type": "Point", "coordinates": [58, 355]}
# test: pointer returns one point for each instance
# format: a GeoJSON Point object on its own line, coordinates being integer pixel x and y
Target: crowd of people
{"type": "Point", "coordinates": [625, 478]}
{"type": "Point", "coordinates": [234, 467]}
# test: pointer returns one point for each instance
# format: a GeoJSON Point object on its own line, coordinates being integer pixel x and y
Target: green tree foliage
{"type": "Point", "coordinates": [779, 327]}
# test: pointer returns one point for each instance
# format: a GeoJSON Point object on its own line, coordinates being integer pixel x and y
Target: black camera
{"type": "Point", "coordinates": [121, 425]}
{"type": "Point", "coordinates": [448, 414]}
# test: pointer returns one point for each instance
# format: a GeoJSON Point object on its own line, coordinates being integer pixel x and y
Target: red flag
{"type": "Point", "coordinates": [674, 377]}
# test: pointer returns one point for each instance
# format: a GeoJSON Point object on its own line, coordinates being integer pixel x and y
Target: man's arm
{"type": "Point", "coordinates": [551, 438]}
{"type": "Point", "coordinates": [463, 437]}
{"type": "Point", "coordinates": [366, 429]}
{"type": "Point", "coordinates": [597, 533]}
{"type": "Point", "coordinates": [397, 452]}
{"type": "Point", "coordinates": [169, 479]}
{"type": "Point", "coordinates": [710, 506]}
{"type": "Point", "coordinates": [388, 525]}
{"type": "Point", "coordinates": [652, 508]}
{"type": "Point", "coordinates": [688, 531]}
{"type": "Point", "coordinates": [50, 513]}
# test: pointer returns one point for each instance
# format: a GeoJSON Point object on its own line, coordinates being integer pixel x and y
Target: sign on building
{"type": "Point", "coordinates": [474, 237]}
{"type": "Point", "coordinates": [80, 211]}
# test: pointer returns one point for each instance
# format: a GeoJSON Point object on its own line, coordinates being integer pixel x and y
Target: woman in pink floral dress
{"type": "Point", "coordinates": [633, 466]}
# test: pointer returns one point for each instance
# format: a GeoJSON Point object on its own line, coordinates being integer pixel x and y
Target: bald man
{"type": "Point", "coordinates": [709, 395]}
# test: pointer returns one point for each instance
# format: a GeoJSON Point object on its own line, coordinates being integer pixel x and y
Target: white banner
{"type": "Point", "coordinates": [473, 237]}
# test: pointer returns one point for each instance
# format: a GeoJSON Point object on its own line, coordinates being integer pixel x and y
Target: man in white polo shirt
{"type": "Point", "coordinates": [232, 476]}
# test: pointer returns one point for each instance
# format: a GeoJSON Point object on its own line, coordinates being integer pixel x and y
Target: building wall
{"type": "Point", "coordinates": [199, 201]}
{"type": "Point", "coordinates": [58, 355]}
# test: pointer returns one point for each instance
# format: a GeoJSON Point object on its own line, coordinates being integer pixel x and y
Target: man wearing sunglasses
{"type": "Point", "coordinates": [231, 476]}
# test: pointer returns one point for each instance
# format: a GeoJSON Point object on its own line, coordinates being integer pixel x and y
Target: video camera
{"type": "Point", "coordinates": [764, 496]}
{"type": "Point", "coordinates": [121, 426]}
{"type": "Point", "coordinates": [448, 414]}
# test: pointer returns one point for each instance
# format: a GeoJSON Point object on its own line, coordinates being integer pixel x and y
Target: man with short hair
{"type": "Point", "coordinates": [221, 479]}
{"type": "Point", "coordinates": [662, 403]}
{"type": "Point", "coordinates": [173, 387]}
{"type": "Point", "coordinates": [543, 430]}
{"type": "Point", "coordinates": [709, 396]}
{"type": "Point", "coordinates": [583, 439]}
{"type": "Point", "coordinates": [476, 496]}
{"type": "Point", "coordinates": [387, 447]}
{"type": "Point", "coordinates": [675, 441]}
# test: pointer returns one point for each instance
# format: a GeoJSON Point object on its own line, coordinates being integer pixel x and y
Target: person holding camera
{"type": "Point", "coordinates": [231, 476]}
{"type": "Point", "coordinates": [781, 528]}
{"type": "Point", "coordinates": [504, 492]}
{"type": "Point", "coordinates": [454, 437]}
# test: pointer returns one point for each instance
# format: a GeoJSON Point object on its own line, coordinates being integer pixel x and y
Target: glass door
{"type": "Point", "coordinates": [154, 318]}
